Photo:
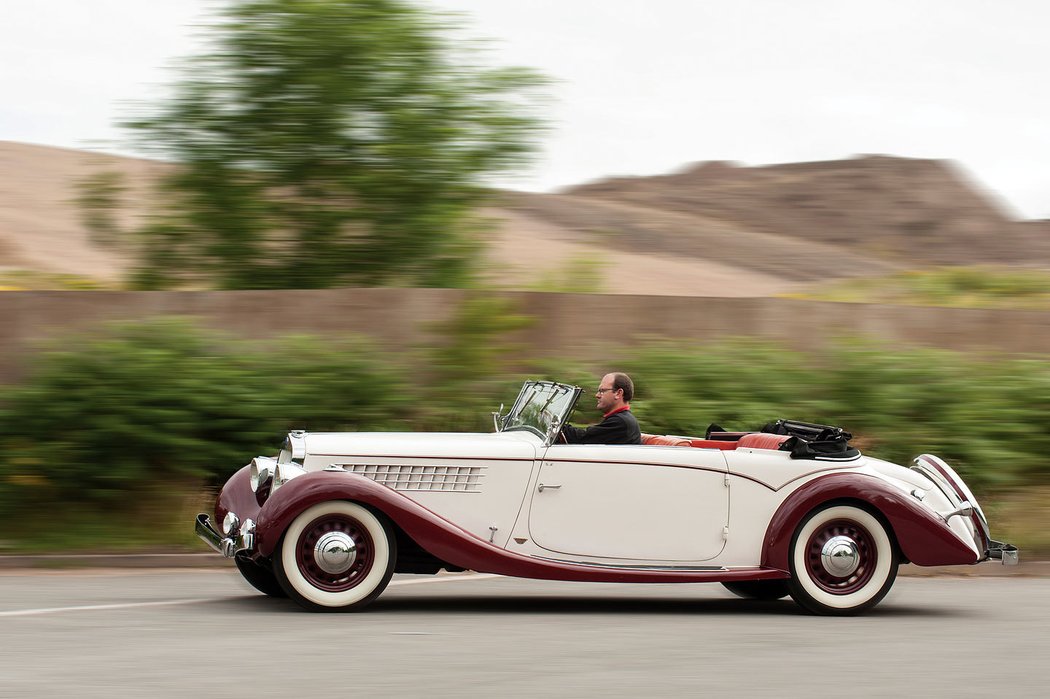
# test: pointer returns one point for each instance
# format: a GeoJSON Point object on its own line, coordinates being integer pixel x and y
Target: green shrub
{"type": "Point", "coordinates": [682, 388]}
{"type": "Point", "coordinates": [987, 417]}
{"type": "Point", "coordinates": [961, 287]}
{"type": "Point", "coordinates": [471, 368]}
{"type": "Point", "coordinates": [161, 403]}
{"type": "Point", "coordinates": [109, 418]}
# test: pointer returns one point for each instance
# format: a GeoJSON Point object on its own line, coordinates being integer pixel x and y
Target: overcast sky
{"type": "Point", "coordinates": [643, 87]}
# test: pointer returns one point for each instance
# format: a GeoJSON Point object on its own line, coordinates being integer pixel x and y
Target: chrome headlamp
{"type": "Point", "coordinates": [262, 469]}
{"type": "Point", "coordinates": [284, 473]}
{"type": "Point", "coordinates": [230, 523]}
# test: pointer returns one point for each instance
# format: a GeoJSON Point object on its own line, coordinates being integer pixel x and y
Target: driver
{"type": "Point", "coordinates": [619, 426]}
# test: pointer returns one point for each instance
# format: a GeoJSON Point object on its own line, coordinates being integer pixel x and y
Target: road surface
{"type": "Point", "coordinates": [179, 633]}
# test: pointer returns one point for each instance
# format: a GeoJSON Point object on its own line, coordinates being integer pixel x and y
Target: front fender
{"type": "Point", "coordinates": [923, 536]}
{"type": "Point", "coordinates": [307, 490]}
{"type": "Point", "coordinates": [238, 497]}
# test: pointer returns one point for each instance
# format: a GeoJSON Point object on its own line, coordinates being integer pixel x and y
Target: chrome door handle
{"type": "Point", "coordinates": [548, 487]}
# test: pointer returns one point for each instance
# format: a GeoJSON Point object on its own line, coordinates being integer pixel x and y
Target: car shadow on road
{"type": "Point", "coordinates": [460, 604]}
{"type": "Point", "coordinates": [527, 604]}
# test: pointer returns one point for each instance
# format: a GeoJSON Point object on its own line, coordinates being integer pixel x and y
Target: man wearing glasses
{"type": "Point", "coordinates": [619, 426]}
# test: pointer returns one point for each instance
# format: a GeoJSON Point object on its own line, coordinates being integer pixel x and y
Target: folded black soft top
{"type": "Point", "coordinates": [813, 441]}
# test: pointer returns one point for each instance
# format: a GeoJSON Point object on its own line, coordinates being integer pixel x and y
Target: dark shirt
{"type": "Point", "coordinates": [617, 428]}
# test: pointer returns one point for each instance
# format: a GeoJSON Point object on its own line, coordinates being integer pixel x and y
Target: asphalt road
{"type": "Point", "coordinates": [206, 634]}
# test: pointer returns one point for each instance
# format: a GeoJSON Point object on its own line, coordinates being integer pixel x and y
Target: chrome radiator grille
{"type": "Point", "coordinates": [399, 477]}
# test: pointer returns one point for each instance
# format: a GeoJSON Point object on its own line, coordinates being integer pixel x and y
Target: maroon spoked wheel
{"type": "Point", "coordinates": [336, 556]}
{"type": "Point", "coordinates": [852, 536]}
{"type": "Point", "coordinates": [334, 529]}
{"type": "Point", "coordinates": [843, 560]}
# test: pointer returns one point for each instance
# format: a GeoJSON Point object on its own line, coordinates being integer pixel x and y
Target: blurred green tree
{"type": "Point", "coordinates": [331, 142]}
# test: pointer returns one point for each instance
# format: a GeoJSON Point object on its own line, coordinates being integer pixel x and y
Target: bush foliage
{"type": "Point", "coordinates": [983, 286]}
{"type": "Point", "coordinates": [144, 407]}
{"type": "Point", "coordinates": [163, 402]}
{"type": "Point", "coordinates": [987, 417]}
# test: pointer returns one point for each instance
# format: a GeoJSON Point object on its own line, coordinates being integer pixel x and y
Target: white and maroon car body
{"type": "Point", "coordinates": [336, 514]}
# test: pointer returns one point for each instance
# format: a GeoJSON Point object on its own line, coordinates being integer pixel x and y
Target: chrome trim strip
{"type": "Point", "coordinates": [422, 456]}
{"type": "Point", "coordinates": [616, 566]}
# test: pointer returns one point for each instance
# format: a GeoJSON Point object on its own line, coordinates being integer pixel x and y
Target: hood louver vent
{"type": "Point", "coordinates": [442, 478]}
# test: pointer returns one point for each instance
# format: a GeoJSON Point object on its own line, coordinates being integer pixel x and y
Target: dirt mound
{"type": "Point", "coordinates": [682, 236]}
{"type": "Point", "coordinates": [40, 226]}
{"type": "Point", "coordinates": [899, 210]}
{"type": "Point", "coordinates": [714, 229]}
{"type": "Point", "coordinates": [525, 250]}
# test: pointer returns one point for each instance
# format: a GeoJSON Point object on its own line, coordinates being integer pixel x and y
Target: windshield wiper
{"type": "Point", "coordinates": [517, 413]}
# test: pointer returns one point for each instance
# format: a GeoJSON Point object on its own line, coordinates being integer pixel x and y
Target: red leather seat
{"type": "Point", "coordinates": [762, 440]}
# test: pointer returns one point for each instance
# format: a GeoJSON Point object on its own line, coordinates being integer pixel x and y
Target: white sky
{"type": "Point", "coordinates": [644, 87]}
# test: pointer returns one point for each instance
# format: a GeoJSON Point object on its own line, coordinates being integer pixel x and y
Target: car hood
{"type": "Point", "coordinates": [505, 445]}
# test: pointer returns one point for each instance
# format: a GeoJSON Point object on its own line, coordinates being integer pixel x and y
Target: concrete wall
{"type": "Point", "coordinates": [584, 326]}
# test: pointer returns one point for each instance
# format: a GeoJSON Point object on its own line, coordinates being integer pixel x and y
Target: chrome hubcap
{"type": "Point", "coordinates": [840, 556]}
{"type": "Point", "coordinates": [335, 552]}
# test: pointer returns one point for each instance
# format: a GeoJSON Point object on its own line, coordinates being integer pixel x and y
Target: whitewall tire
{"type": "Point", "coordinates": [843, 561]}
{"type": "Point", "coordinates": [336, 556]}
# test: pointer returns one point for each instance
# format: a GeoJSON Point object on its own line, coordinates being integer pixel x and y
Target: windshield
{"type": "Point", "coordinates": [541, 406]}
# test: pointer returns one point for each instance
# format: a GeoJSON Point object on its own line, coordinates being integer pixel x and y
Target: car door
{"type": "Point", "coordinates": [645, 503]}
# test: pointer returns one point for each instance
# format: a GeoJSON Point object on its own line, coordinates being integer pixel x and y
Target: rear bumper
{"type": "Point", "coordinates": [999, 551]}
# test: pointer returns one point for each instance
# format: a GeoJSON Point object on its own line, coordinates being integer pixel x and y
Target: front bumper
{"type": "Point", "coordinates": [999, 551]}
{"type": "Point", "coordinates": [240, 540]}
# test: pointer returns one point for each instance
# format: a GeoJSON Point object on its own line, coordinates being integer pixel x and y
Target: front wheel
{"type": "Point", "coordinates": [842, 561]}
{"type": "Point", "coordinates": [259, 577]}
{"type": "Point", "coordinates": [336, 556]}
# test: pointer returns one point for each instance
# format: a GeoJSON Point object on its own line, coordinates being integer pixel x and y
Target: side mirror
{"type": "Point", "coordinates": [497, 417]}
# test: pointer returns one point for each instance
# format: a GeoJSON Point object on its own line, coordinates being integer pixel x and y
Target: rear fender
{"type": "Point", "coordinates": [922, 535]}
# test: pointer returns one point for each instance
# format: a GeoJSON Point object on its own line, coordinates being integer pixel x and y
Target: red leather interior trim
{"type": "Point", "coordinates": [450, 543]}
{"type": "Point", "coordinates": [713, 444]}
{"type": "Point", "coordinates": [924, 538]}
{"type": "Point", "coordinates": [762, 440]}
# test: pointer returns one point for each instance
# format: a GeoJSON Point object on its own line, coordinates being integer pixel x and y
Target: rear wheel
{"type": "Point", "coordinates": [259, 577]}
{"type": "Point", "coordinates": [842, 561]}
{"type": "Point", "coordinates": [767, 590]}
{"type": "Point", "coordinates": [336, 556]}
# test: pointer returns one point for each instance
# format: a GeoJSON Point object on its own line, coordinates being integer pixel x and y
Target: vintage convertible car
{"type": "Point", "coordinates": [790, 510]}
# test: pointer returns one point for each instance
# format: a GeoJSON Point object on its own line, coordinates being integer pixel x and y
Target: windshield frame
{"type": "Point", "coordinates": [547, 393]}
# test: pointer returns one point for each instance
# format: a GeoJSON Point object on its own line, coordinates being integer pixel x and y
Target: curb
{"type": "Point", "coordinates": [1040, 569]}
